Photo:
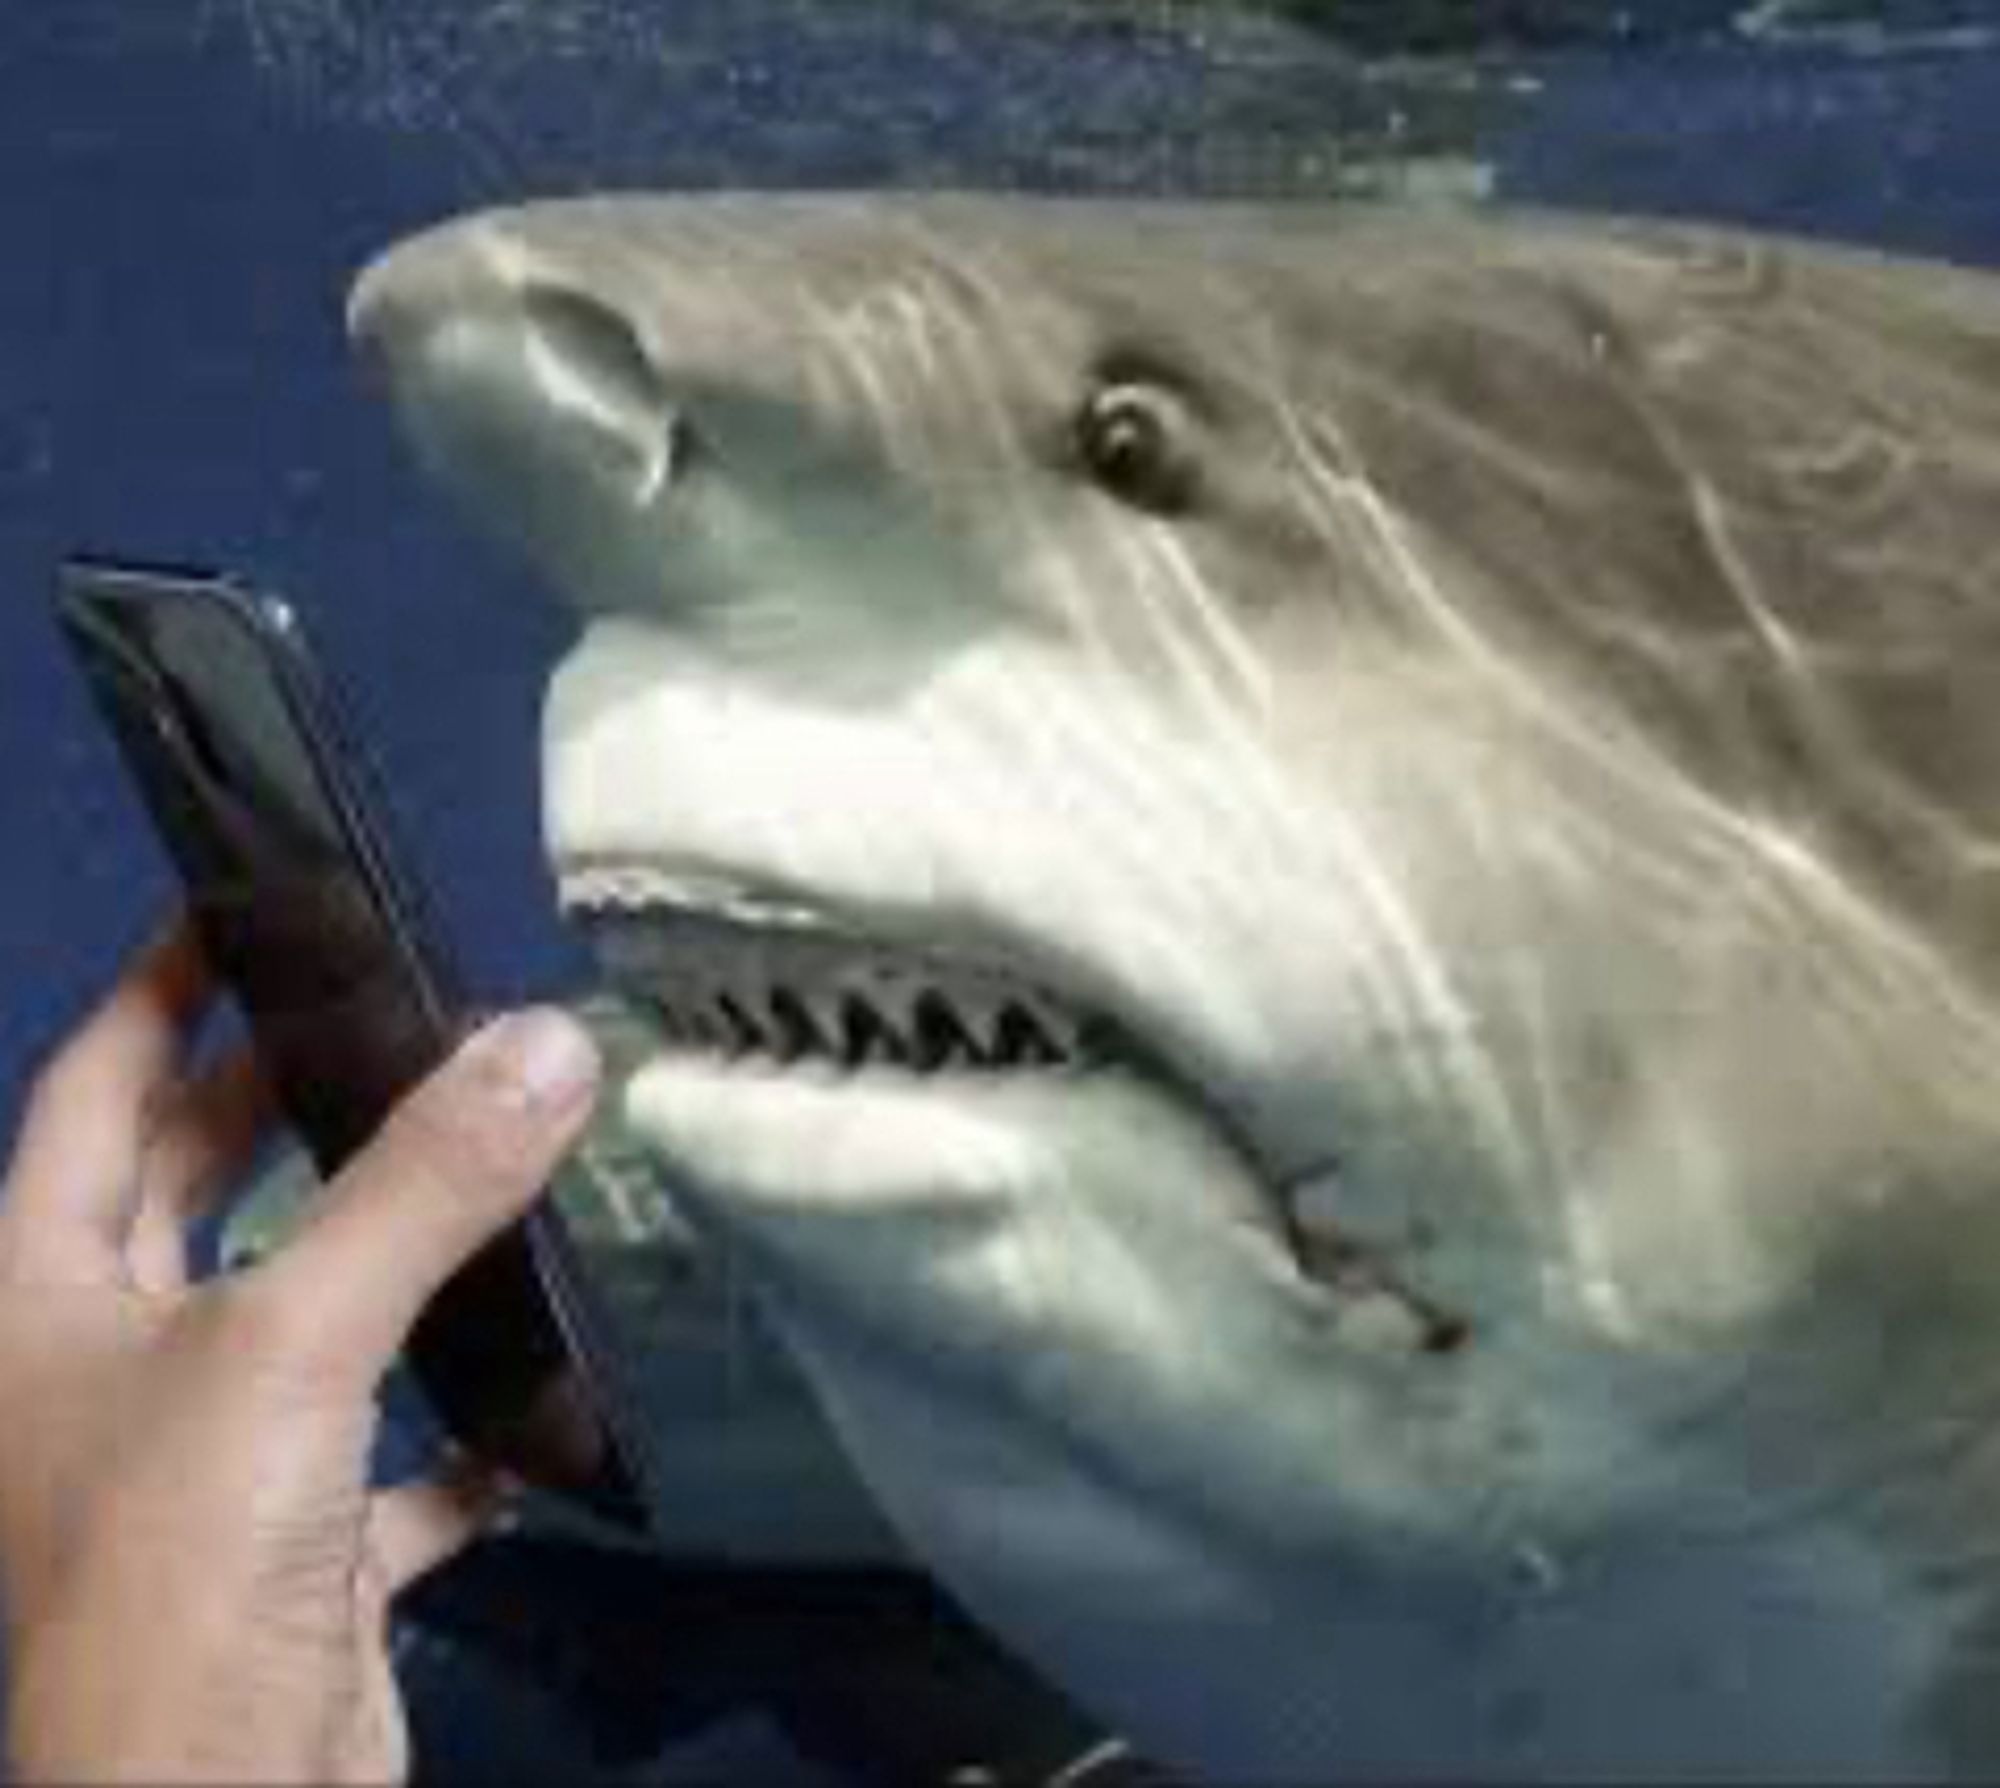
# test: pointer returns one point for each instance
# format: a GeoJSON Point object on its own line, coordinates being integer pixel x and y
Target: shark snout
{"type": "Point", "coordinates": [657, 405]}
{"type": "Point", "coordinates": [537, 402]}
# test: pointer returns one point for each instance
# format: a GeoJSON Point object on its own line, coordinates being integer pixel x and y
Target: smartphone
{"type": "Point", "coordinates": [273, 818]}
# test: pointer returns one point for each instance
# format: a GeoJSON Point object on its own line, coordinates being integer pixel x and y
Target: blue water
{"type": "Point", "coordinates": [187, 189]}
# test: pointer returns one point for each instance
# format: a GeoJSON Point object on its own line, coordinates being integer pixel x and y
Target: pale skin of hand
{"type": "Point", "coordinates": [196, 1576]}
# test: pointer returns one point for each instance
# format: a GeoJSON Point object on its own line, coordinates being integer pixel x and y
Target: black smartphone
{"type": "Point", "coordinates": [271, 814]}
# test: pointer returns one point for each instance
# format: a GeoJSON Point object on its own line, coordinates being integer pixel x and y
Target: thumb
{"type": "Point", "coordinates": [461, 1157]}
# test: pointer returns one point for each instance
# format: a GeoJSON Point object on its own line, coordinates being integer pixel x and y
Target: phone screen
{"type": "Point", "coordinates": [266, 809]}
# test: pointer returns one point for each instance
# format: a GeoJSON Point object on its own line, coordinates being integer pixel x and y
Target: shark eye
{"type": "Point", "coordinates": [1134, 440]}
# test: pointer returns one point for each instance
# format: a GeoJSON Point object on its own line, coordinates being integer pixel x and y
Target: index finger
{"type": "Point", "coordinates": [75, 1171]}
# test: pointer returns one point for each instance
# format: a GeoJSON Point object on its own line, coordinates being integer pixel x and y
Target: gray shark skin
{"type": "Point", "coordinates": [1501, 714]}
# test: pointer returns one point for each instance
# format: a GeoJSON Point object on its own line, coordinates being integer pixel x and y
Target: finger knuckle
{"type": "Point", "coordinates": [251, 1313]}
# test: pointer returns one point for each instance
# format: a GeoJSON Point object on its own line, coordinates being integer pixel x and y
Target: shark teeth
{"type": "Point", "coordinates": [794, 990]}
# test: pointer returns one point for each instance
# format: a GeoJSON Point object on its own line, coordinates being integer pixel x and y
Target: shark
{"type": "Point", "coordinates": [1313, 890]}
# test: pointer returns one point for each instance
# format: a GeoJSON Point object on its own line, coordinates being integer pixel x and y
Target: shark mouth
{"type": "Point", "coordinates": [721, 974]}
{"type": "Point", "coordinates": [791, 986]}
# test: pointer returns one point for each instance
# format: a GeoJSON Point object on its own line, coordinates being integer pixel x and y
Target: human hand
{"type": "Point", "coordinates": [196, 1576]}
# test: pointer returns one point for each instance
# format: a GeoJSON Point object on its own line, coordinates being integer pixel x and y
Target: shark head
{"type": "Point", "coordinates": [1290, 897]}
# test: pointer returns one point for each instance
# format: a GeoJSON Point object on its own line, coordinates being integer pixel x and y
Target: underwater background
{"type": "Point", "coordinates": [189, 185]}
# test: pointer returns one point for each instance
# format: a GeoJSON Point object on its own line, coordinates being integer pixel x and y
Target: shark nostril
{"type": "Point", "coordinates": [597, 344]}
{"type": "Point", "coordinates": [590, 366]}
